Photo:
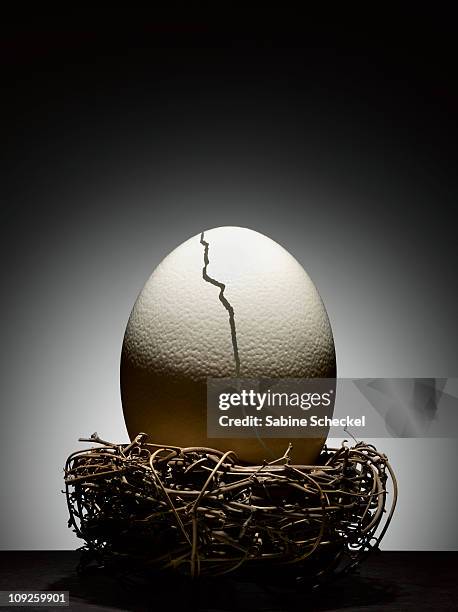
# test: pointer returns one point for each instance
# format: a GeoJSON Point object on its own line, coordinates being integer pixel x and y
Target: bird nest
{"type": "Point", "coordinates": [199, 512]}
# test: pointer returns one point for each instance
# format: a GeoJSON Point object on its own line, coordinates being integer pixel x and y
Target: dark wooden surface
{"type": "Point", "coordinates": [399, 581]}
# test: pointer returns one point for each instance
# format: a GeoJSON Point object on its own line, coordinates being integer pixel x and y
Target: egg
{"type": "Point", "coordinates": [228, 302]}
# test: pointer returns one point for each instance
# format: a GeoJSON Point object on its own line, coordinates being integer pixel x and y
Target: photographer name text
{"type": "Point", "coordinates": [289, 421]}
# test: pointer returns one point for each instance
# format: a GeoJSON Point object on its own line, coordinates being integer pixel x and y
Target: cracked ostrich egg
{"type": "Point", "coordinates": [226, 303]}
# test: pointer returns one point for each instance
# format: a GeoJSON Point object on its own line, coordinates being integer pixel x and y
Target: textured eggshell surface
{"type": "Point", "coordinates": [179, 334]}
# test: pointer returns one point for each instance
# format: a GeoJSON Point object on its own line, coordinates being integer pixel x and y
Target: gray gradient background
{"type": "Point", "coordinates": [121, 148]}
